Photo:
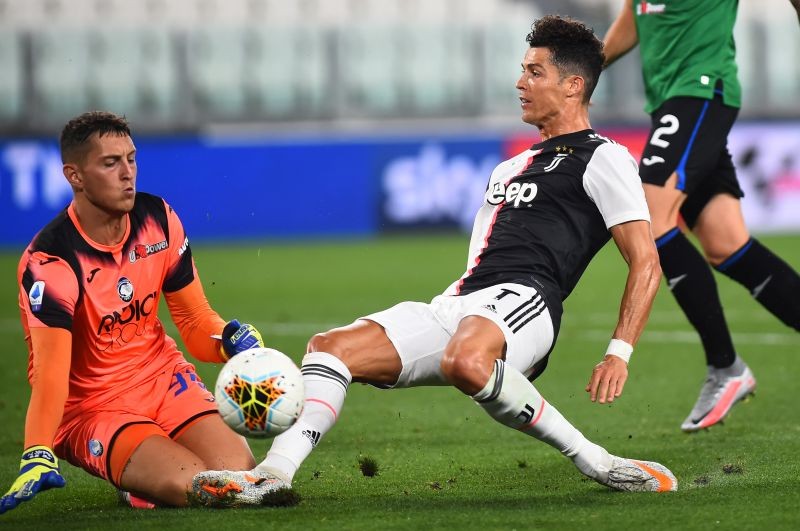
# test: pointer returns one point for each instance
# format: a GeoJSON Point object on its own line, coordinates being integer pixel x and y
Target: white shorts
{"type": "Point", "coordinates": [420, 332]}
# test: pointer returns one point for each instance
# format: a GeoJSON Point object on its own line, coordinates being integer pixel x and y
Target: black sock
{"type": "Point", "coordinates": [770, 280]}
{"type": "Point", "coordinates": [692, 284]}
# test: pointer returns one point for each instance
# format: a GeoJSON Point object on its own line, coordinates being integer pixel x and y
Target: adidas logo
{"type": "Point", "coordinates": [490, 307]}
{"type": "Point", "coordinates": [313, 436]}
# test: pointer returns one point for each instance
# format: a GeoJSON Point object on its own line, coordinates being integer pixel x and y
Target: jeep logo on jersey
{"type": "Point", "coordinates": [125, 289]}
{"type": "Point", "coordinates": [36, 295]}
{"type": "Point", "coordinates": [143, 251]}
{"type": "Point", "coordinates": [135, 311]}
{"type": "Point", "coordinates": [514, 193]}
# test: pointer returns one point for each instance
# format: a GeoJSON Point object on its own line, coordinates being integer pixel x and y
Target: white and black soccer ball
{"type": "Point", "coordinates": [260, 393]}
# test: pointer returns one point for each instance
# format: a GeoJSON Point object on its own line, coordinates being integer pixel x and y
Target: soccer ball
{"type": "Point", "coordinates": [260, 393]}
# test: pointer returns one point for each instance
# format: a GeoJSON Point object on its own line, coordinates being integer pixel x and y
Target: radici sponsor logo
{"type": "Point", "coordinates": [121, 326]}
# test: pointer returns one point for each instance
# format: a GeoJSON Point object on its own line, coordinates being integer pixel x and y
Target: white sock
{"type": "Point", "coordinates": [326, 380]}
{"type": "Point", "coordinates": [512, 400]}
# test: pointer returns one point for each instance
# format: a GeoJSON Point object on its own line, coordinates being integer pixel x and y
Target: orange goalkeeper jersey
{"type": "Point", "coordinates": [108, 297]}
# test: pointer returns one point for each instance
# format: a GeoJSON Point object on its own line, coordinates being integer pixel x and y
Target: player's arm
{"type": "Point", "coordinates": [39, 470]}
{"type": "Point", "coordinates": [205, 333]}
{"type": "Point", "coordinates": [621, 36]}
{"type": "Point", "coordinates": [635, 242]}
{"type": "Point", "coordinates": [52, 352]}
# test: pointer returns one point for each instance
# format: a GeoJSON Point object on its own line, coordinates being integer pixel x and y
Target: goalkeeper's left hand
{"type": "Point", "coordinates": [38, 471]}
{"type": "Point", "coordinates": [237, 337]}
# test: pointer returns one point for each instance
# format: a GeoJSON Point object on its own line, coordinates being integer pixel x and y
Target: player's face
{"type": "Point", "coordinates": [541, 89]}
{"type": "Point", "coordinates": [107, 173]}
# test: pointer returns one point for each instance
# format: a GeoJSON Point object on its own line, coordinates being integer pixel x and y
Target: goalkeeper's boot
{"type": "Point", "coordinates": [224, 488]}
{"type": "Point", "coordinates": [633, 475]}
{"type": "Point", "coordinates": [721, 390]}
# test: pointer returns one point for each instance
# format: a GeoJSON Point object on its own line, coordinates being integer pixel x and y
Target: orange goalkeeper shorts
{"type": "Point", "coordinates": [102, 440]}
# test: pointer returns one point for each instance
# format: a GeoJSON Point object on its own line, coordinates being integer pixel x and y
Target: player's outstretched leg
{"type": "Point", "coordinates": [512, 400]}
{"type": "Point", "coordinates": [326, 381]}
{"type": "Point", "coordinates": [225, 488]}
{"type": "Point", "coordinates": [721, 390]}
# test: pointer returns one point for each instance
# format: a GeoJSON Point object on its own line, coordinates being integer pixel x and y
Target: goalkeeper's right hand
{"type": "Point", "coordinates": [238, 337]}
{"type": "Point", "coordinates": [38, 471]}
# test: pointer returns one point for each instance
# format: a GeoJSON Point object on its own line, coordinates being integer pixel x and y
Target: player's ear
{"type": "Point", "coordinates": [575, 86]}
{"type": "Point", "coordinates": [72, 175]}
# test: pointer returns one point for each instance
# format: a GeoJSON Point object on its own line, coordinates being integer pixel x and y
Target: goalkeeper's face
{"type": "Point", "coordinates": [106, 174]}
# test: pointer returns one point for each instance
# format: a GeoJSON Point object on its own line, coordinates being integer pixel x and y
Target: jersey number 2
{"type": "Point", "coordinates": [670, 127]}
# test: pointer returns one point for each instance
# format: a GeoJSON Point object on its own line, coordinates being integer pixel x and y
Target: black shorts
{"type": "Point", "coordinates": [689, 136]}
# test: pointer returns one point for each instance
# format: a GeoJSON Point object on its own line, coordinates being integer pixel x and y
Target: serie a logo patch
{"type": "Point", "coordinates": [36, 295]}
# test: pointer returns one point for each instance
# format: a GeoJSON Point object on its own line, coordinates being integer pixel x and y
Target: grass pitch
{"type": "Point", "coordinates": [435, 460]}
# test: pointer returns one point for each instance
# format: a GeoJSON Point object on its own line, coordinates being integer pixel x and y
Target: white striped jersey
{"type": "Point", "coordinates": [547, 212]}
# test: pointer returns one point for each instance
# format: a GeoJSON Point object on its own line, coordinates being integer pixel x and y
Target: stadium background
{"type": "Point", "coordinates": [344, 117]}
{"type": "Point", "coordinates": [326, 158]}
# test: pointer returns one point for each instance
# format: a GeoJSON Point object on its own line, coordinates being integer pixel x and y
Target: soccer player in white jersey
{"type": "Point", "coordinates": [547, 211]}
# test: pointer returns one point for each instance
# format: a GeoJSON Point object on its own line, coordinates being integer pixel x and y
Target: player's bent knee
{"type": "Point", "coordinates": [467, 368]}
{"type": "Point", "coordinates": [336, 344]}
{"type": "Point", "coordinates": [717, 252]}
{"type": "Point", "coordinates": [714, 258]}
{"type": "Point", "coordinates": [329, 342]}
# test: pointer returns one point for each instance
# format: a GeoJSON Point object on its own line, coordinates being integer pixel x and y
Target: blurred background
{"type": "Point", "coordinates": [318, 118]}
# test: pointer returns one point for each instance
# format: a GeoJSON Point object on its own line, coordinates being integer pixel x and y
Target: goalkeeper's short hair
{"type": "Point", "coordinates": [76, 135]}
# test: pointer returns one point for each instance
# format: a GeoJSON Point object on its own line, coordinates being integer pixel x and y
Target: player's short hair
{"type": "Point", "coordinates": [574, 48]}
{"type": "Point", "coordinates": [77, 132]}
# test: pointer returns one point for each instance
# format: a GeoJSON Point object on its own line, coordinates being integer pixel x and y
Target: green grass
{"type": "Point", "coordinates": [442, 463]}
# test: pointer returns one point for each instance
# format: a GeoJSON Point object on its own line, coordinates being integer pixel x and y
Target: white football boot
{"type": "Point", "coordinates": [721, 390]}
{"type": "Point", "coordinates": [224, 488]}
{"type": "Point", "coordinates": [619, 473]}
{"type": "Point", "coordinates": [633, 475]}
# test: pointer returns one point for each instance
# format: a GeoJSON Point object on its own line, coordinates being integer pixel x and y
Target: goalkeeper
{"type": "Point", "coordinates": [111, 393]}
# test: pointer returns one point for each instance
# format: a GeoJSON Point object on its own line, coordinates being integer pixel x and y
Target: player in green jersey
{"type": "Point", "coordinates": [693, 96]}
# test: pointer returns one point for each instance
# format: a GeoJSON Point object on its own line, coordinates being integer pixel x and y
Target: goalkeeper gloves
{"type": "Point", "coordinates": [38, 471]}
{"type": "Point", "coordinates": [238, 337]}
